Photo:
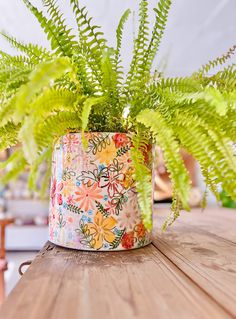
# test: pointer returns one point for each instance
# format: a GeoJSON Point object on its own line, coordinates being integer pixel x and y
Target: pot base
{"type": "Point", "coordinates": [98, 250]}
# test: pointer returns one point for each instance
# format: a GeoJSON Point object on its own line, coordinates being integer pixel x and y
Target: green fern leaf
{"type": "Point", "coordinates": [164, 136]}
{"type": "Point", "coordinates": [88, 104]}
{"type": "Point", "coordinates": [91, 41]}
{"type": "Point", "coordinates": [161, 12]}
{"type": "Point", "coordinates": [35, 53]}
{"type": "Point", "coordinates": [218, 61]}
{"type": "Point", "coordinates": [140, 46]}
{"type": "Point", "coordinates": [61, 40]}
{"type": "Point", "coordinates": [142, 177]}
{"type": "Point", "coordinates": [8, 136]}
{"type": "Point", "coordinates": [13, 166]}
{"type": "Point", "coordinates": [49, 102]}
{"type": "Point", "coordinates": [42, 76]}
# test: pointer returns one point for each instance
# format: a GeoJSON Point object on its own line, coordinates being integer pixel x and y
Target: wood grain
{"type": "Point", "coordinates": [215, 220]}
{"type": "Point", "coordinates": [203, 246]}
{"type": "Point", "coordinates": [143, 283]}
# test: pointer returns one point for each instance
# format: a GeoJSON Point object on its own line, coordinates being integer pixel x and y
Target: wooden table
{"type": "Point", "coordinates": [4, 222]}
{"type": "Point", "coordinates": [187, 272]}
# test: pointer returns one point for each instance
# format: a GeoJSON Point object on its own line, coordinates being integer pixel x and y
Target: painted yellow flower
{"type": "Point", "coordinates": [106, 155]}
{"type": "Point", "coordinates": [128, 180]}
{"type": "Point", "coordinates": [67, 159]}
{"type": "Point", "coordinates": [101, 230]}
{"type": "Point", "coordinates": [69, 187]}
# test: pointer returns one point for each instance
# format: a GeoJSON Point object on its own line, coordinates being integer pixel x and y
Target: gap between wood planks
{"type": "Point", "coordinates": [194, 282]}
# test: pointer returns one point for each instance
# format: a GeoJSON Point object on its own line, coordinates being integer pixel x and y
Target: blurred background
{"type": "Point", "coordinates": [197, 30]}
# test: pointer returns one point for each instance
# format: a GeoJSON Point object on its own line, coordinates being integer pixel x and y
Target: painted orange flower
{"type": "Point", "coordinates": [106, 155]}
{"type": "Point", "coordinates": [101, 230]}
{"type": "Point", "coordinates": [141, 230]}
{"type": "Point", "coordinates": [86, 196]}
{"type": "Point", "coordinates": [127, 241]}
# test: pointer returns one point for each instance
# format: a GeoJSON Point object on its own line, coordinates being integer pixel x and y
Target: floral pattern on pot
{"type": "Point", "coordinates": [93, 202]}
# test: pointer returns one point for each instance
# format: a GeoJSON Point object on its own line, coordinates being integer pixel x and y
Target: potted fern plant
{"type": "Point", "coordinates": [75, 109]}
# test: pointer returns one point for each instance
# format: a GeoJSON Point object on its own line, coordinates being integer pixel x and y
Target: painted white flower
{"type": "Point", "coordinates": [129, 216]}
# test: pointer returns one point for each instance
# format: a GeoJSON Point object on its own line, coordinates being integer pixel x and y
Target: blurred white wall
{"type": "Point", "coordinates": [197, 30]}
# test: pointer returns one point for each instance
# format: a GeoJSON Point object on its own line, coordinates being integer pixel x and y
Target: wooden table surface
{"type": "Point", "coordinates": [187, 272]}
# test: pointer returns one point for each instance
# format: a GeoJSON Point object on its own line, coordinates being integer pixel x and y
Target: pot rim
{"type": "Point", "coordinates": [97, 132]}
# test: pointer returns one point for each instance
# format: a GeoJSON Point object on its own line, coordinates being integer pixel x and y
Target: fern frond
{"type": "Point", "coordinates": [221, 102]}
{"type": "Point", "coordinates": [142, 177]}
{"type": "Point", "coordinates": [44, 74]}
{"type": "Point", "coordinates": [67, 39]}
{"type": "Point", "coordinates": [10, 81]}
{"type": "Point", "coordinates": [119, 35]}
{"type": "Point", "coordinates": [53, 99]}
{"type": "Point", "coordinates": [175, 211]}
{"type": "Point", "coordinates": [225, 124]}
{"type": "Point", "coordinates": [7, 60]}
{"type": "Point", "coordinates": [11, 78]}
{"type": "Point", "coordinates": [49, 102]}
{"type": "Point", "coordinates": [91, 41]}
{"type": "Point", "coordinates": [55, 126]}
{"type": "Point", "coordinates": [13, 166]}
{"type": "Point", "coordinates": [45, 183]}
{"type": "Point", "coordinates": [61, 42]}
{"type": "Point", "coordinates": [35, 52]}
{"type": "Point", "coordinates": [187, 84]}
{"type": "Point", "coordinates": [88, 104]}
{"type": "Point", "coordinates": [84, 74]}
{"type": "Point", "coordinates": [210, 184]}
{"type": "Point", "coordinates": [161, 12]}
{"type": "Point", "coordinates": [110, 81]}
{"type": "Point", "coordinates": [108, 73]}
{"type": "Point", "coordinates": [8, 136]}
{"type": "Point", "coordinates": [140, 46]}
{"type": "Point", "coordinates": [224, 80]}
{"type": "Point", "coordinates": [119, 32]}
{"type": "Point", "coordinates": [34, 172]}
{"type": "Point", "coordinates": [218, 61]}
{"type": "Point", "coordinates": [212, 149]}
{"type": "Point", "coordinates": [164, 136]}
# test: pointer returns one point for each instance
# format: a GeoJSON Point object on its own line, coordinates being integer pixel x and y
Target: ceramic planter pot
{"type": "Point", "coordinates": [93, 203]}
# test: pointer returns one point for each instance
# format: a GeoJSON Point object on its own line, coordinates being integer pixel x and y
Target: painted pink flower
{"type": "Point", "coordinates": [110, 208]}
{"type": "Point", "coordinates": [51, 234]}
{"type": "Point", "coordinates": [53, 215]}
{"type": "Point", "coordinates": [128, 218]}
{"type": "Point", "coordinates": [86, 196]}
{"type": "Point", "coordinates": [120, 139]}
{"type": "Point", "coordinates": [70, 200]}
{"type": "Point", "coordinates": [70, 220]}
{"type": "Point", "coordinates": [111, 180]}
{"type": "Point", "coordinates": [55, 192]}
{"type": "Point", "coordinates": [71, 142]}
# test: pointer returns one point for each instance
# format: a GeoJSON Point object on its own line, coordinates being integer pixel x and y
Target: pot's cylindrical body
{"type": "Point", "coordinates": [93, 202]}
